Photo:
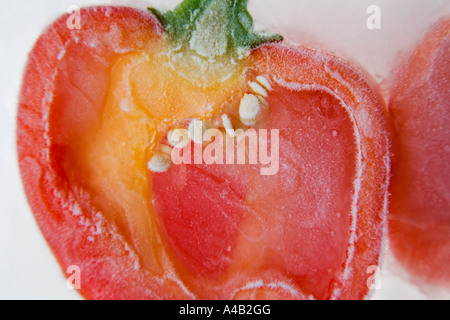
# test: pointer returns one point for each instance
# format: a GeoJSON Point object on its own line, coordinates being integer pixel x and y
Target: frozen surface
{"type": "Point", "coordinates": [27, 267]}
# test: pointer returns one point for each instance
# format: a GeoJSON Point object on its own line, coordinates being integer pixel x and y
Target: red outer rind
{"type": "Point", "coordinates": [76, 233]}
{"type": "Point", "coordinates": [368, 112]}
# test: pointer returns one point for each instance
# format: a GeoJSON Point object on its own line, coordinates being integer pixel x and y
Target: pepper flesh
{"type": "Point", "coordinates": [86, 131]}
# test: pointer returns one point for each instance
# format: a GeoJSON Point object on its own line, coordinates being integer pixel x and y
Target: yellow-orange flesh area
{"type": "Point", "coordinates": [145, 98]}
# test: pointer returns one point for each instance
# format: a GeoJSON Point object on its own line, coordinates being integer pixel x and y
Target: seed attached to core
{"type": "Point", "coordinates": [178, 138]}
{"type": "Point", "coordinates": [258, 89]}
{"type": "Point", "coordinates": [228, 125]}
{"type": "Point", "coordinates": [196, 129]}
{"type": "Point", "coordinates": [264, 82]}
{"type": "Point", "coordinates": [249, 108]}
{"type": "Point", "coordinates": [160, 162]}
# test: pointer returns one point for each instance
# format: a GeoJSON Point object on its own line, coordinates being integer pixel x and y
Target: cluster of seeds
{"type": "Point", "coordinates": [250, 111]}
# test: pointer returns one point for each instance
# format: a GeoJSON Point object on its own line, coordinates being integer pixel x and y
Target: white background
{"type": "Point", "coordinates": [28, 270]}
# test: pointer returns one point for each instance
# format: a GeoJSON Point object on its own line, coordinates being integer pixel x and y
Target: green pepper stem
{"type": "Point", "coordinates": [212, 28]}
